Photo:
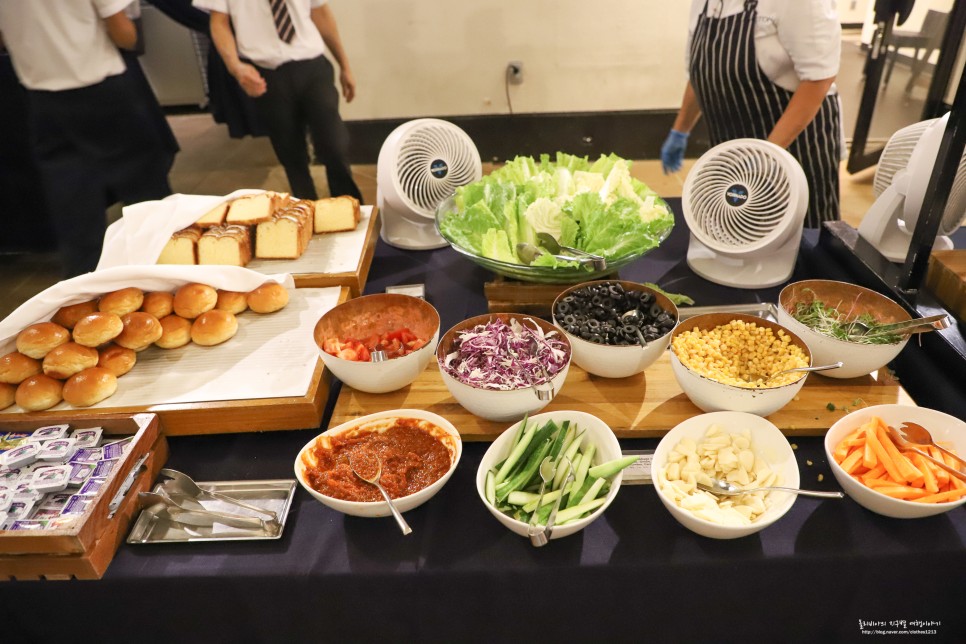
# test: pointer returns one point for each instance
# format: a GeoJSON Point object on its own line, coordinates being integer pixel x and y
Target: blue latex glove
{"type": "Point", "coordinates": [672, 152]}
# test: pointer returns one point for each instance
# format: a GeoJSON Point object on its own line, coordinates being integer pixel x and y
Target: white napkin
{"type": "Point", "coordinates": [89, 286]}
{"type": "Point", "coordinates": [143, 230]}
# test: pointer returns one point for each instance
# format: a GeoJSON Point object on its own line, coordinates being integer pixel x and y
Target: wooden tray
{"type": "Point", "coordinates": [85, 549]}
{"type": "Point", "coordinates": [642, 406]}
{"type": "Point", "coordinates": [220, 416]}
{"type": "Point", "coordinates": [946, 280]}
{"type": "Point", "coordinates": [354, 280]}
{"type": "Point", "coordinates": [505, 294]}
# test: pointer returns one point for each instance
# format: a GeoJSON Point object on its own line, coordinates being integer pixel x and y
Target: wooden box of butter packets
{"type": "Point", "coordinates": [82, 542]}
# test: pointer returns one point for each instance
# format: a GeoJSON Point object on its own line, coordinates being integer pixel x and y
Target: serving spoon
{"type": "Point", "coordinates": [920, 435]}
{"type": "Point", "coordinates": [550, 242]}
{"type": "Point", "coordinates": [354, 463]}
{"type": "Point", "coordinates": [755, 377]}
{"type": "Point", "coordinates": [635, 316]}
{"type": "Point", "coordinates": [905, 445]}
{"type": "Point", "coordinates": [724, 488]}
{"type": "Point", "coordinates": [182, 483]}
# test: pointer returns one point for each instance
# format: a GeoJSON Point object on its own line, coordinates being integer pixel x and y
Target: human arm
{"type": "Point", "coordinates": [121, 30]}
{"type": "Point", "coordinates": [672, 151]}
{"type": "Point", "coordinates": [324, 21]}
{"type": "Point", "coordinates": [690, 111]}
{"type": "Point", "coordinates": [247, 76]}
{"type": "Point", "coordinates": [805, 103]}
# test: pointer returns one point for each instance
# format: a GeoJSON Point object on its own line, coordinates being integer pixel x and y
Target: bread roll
{"type": "Point", "coordinates": [117, 360]}
{"type": "Point", "coordinates": [16, 367]}
{"type": "Point", "coordinates": [175, 332]}
{"type": "Point", "coordinates": [192, 300]}
{"type": "Point", "coordinates": [159, 304]}
{"type": "Point", "coordinates": [214, 327]}
{"type": "Point", "coordinates": [38, 339]}
{"type": "Point", "coordinates": [8, 394]}
{"type": "Point", "coordinates": [68, 316]}
{"type": "Point", "coordinates": [97, 328]}
{"type": "Point", "coordinates": [232, 301]}
{"type": "Point", "coordinates": [40, 392]}
{"type": "Point", "coordinates": [89, 387]}
{"type": "Point", "coordinates": [141, 330]}
{"type": "Point", "coordinates": [67, 359]}
{"type": "Point", "coordinates": [268, 298]}
{"type": "Point", "coordinates": [121, 302]}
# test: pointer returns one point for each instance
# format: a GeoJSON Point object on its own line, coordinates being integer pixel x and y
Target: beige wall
{"type": "Point", "coordinates": [425, 57]}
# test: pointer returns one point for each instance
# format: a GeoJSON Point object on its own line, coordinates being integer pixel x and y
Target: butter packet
{"type": "Point", "coordinates": [59, 450]}
{"type": "Point", "coordinates": [116, 449]}
{"type": "Point", "coordinates": [20, 509]}
{"type": "Point", "coordinates": [55, 501]}
{"type": "Point", "coordinates": [20, 456]}
{"type": "Point", "coordinates": [9, 440]}
{"type": "Point", "coordinates": [91, 486]}
{"type": "Point", "coordinates": [87, 455]}
{"type": "Point", "coordinates": [89, 437]}
{"type": "Point", "coordinates": [45, 514]}
{"type": "Point", "coordinates": [79, 473]}
{"type": "Point", "coordinates": [104, 468]}
{"type": "Point", "coordinates": [52, 479]}
{"type": "Point", "coordinates": [77, 504]}
{"type": "Point", "coordinates": [48, 433]}
{"type": "Point", "coordinates": [6, 498]}
{"type": "Point", "coordinates": [30, 524]}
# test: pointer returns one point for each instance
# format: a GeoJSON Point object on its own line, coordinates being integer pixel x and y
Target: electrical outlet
{"type": "Point", "coordinates": [514, 72]}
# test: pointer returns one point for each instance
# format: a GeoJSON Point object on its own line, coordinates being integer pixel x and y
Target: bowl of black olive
{"type": "Point", "coordinates": [616, 328]}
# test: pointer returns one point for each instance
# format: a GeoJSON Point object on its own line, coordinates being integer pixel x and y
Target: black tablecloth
{"type": "Point", "coordinates": [633, 575]}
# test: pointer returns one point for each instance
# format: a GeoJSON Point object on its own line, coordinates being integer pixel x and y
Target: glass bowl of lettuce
{"type": "Point", "coordinates": [597, 207]}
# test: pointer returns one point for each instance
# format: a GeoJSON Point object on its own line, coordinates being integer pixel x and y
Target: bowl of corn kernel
{"type": "Point", "coordinates": [721, 360]}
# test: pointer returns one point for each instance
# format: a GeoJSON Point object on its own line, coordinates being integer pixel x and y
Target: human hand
{"type": "Point", "coordinates": [348, 83]}
{"type": "Point", "coordinates": [250, 80]}
{"type": "Point", "coordinates": [672, 152]}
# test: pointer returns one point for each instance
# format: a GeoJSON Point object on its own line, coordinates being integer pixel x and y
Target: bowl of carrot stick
{"type": "Point", "coordinates": [888, 478]}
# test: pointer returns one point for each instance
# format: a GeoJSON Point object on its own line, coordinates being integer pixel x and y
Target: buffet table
{"type": "Point", "coordinates": [828, 571]}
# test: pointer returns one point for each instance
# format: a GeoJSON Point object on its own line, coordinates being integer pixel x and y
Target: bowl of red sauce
{"type": "Point", "coordinates": [418, 450]}
{"type": "Point", "coordinates": [406, 328]}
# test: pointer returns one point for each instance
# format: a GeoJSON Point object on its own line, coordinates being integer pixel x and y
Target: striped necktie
{"type": "Point", "coordinates": [283, 21]}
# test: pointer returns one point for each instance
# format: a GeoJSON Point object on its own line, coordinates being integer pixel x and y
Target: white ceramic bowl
{"type": "Point", "coordinates": [767, 442]}
{"type": "Point", "coordinates": [610, 361]}
{"type": "Point", "coordinates": [711, 395]}
{"type": "Point", "coordinates": [493, 404]}
{"type": "Point", "coordinates": [945, 429]}
{"type": "Point", "coordinates": [857, 359]}
{"type": "Point", "coordinates": [447, 434]}
{"type": "Point", "coordinates": [598, 432]}
{"type": "Point", "coordinates": [365, 316]}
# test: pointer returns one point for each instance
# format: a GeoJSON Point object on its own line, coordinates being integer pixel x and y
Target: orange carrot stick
{"type": "Point", "coordinates": [883, 456]}
{"type": "Point", "coordinates": [929, 479]}
{"type": "Point", "coordinates": [942, 497]}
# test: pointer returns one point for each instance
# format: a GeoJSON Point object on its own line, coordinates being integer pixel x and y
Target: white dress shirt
{"type": "Point", "coordinates": [60, 44]}
{"type": "Point", "coordinates": [795, 40]}
{"type": "Point", "coordinates": [255, 34]}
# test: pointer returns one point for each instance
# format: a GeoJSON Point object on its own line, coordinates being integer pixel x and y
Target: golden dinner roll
{"type": "Point", "coordinates": [121, 302]}
{"type": "Point", "coordinates": [67, 359]}
{"type": "Point", "coordinates": [175, 332]}
{"type": "Point", "coordinates": [97, 328]}
{"type": "Point", "coordinates": [117, 360]}
{"type": "Point", "coordinates": [15, 367]}
{"type": "Point", "coordinates": [141, 330]}
{"type": "Point", "coordinates": [38, 339]}
{"type": "Point", "coordinates": [232, 301]}
{"type": "Point", "coordinates": [39, 392]}
{"type": "Point", "coordinates": [8, 394]}
{"type": "Point", "coordinates": [213, 327]}
{"type": "Point", "coordinates": [67, 316]}
{"type": "Point", "coordinates": [192, 300]}
{"type": "Point", "coordinates": [89, 387]}
{"type": "Point", "coordinates": [268, 298]}
{"type": "Point", "coordinates": [159, 304]}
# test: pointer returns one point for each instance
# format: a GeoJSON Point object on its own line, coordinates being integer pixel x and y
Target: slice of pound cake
{"type": "Point", "coordinates": [336, 214]}
{"type": "Point", "coordinates": [225, 245]}
{"type": "Point", "coordinates": [287, 234]}
{"type": "Point", "coordinates": [182, 248]}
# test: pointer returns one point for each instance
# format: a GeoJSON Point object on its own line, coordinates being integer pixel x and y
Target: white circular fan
{"type": "Point", "coordinates": [744, 202]}
{"type": "Point", "coordinates": [421, 163]}
{"type": "Point", "coordinates": [906, 166]}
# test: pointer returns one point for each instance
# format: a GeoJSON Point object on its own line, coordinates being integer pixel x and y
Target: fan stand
{"type": "Point", "coordinates": [756, 272]}
{"type": "Point", "coordinates": [402, 232]}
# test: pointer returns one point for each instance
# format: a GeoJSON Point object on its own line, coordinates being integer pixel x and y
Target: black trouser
{"type": "Point", "coordinates": [302, 95]}
{"type": "Point", "coordinates": [95, 145]}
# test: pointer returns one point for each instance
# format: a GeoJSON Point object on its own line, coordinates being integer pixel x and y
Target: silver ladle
{"type": "Point", "coordinates": [724, 488]}
{"type": "Point", "coordinates": [374, 480]}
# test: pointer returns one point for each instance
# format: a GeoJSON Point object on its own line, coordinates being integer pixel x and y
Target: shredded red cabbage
{"type": "Point", "coordinates": [505, 356]}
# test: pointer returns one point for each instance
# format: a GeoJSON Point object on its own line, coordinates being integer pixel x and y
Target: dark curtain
{"type": "Point", "coordinates": [228, 103]}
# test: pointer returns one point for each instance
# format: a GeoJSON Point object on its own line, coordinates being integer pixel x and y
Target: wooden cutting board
{"type": "Point", "coordinates": [946, 280]}
{"type": "Point", "coordinates": [642, 406]}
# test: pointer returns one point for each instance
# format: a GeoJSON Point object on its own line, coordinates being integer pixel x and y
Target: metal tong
{"type": "Point", "coordinates": [184, 511]}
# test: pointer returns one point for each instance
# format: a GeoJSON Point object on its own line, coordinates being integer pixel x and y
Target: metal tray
{"type": "Point", "coordinates": [275, 495]}
{"type": "Point", "coordinates": [765, 310]}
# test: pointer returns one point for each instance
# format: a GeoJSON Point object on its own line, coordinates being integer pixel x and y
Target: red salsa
{"type": "Point", "coordinates": [411, 457]}
{"type": "Point", "coordinates": [396, 344]}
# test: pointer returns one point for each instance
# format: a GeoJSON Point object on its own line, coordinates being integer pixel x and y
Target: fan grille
{"type": "Point", "coordinates": [433, 161]}
{"type": "Point", "coordinates": [896, 153]}
{"type": "Point", "coordinates": [719, 212]}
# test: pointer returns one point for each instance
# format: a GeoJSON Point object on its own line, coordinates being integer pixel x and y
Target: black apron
{"type": "Point", "coordinates": [739, 101]}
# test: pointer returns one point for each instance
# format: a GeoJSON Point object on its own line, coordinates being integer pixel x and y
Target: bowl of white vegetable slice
{"type": "Point", "coordinates": [739, 447]}
{"type": "Point", "coordinates": [508, 479]}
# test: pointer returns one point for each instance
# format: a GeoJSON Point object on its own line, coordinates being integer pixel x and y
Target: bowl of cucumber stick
{"type": "Point", "coordinates": [583, 473]}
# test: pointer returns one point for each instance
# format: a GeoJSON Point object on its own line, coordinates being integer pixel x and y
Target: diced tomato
{"type": "Point", "coordinates": [396, 344]}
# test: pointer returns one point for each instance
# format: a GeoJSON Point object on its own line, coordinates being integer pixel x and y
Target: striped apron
{"type": "Point", "coordinates": [739, 101]}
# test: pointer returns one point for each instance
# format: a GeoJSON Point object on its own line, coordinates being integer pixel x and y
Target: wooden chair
{"type": "Point", "coordinates": [927, 39]}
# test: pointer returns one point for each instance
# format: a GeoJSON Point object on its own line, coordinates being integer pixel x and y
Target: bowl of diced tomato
{"type": "Point", "coordinates": [406, 328]}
